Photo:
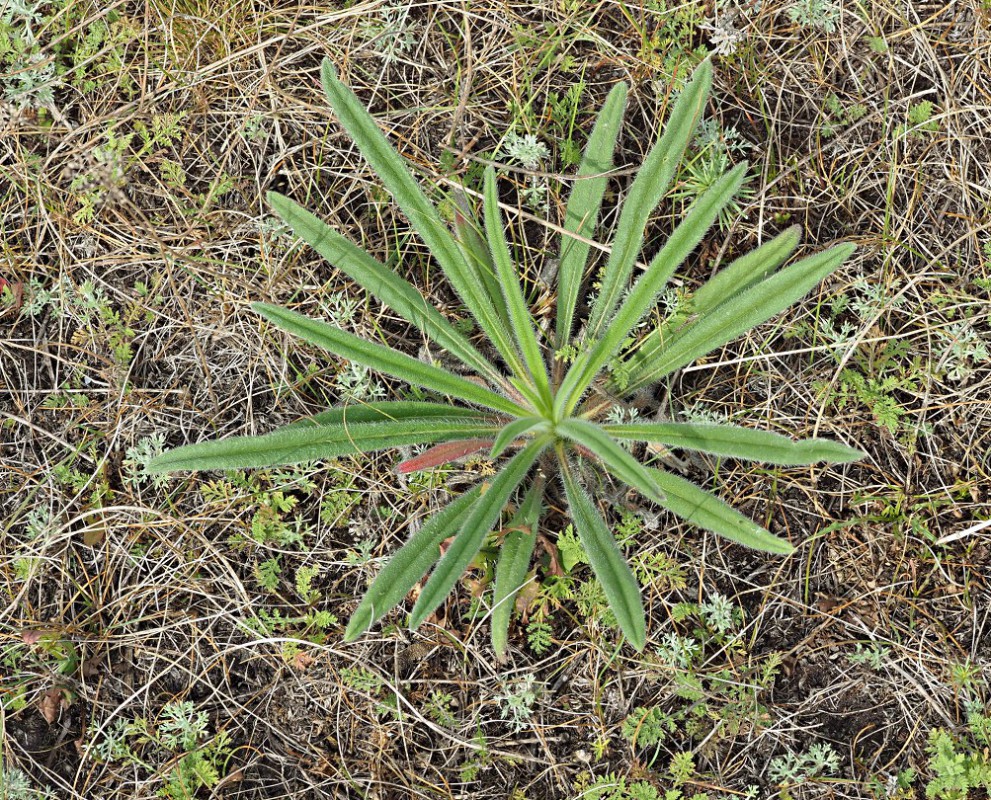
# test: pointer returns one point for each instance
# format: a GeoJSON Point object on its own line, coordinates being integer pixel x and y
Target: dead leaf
{"type": "Point", "coordinates": [91, 667]}
{"type": "Point", "coordinates": [50, 704]}
{"type": "Point", "coordinates": [302, 661]}
{"type": "Point", "coordinates": [526, 597]}
{"type": "Point", "coordinates": [34, 636]}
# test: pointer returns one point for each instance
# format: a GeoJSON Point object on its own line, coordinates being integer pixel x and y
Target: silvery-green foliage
{"type": "Point", "coordinates": [16, 785]}
{"type": "Point", "coordinates": [548, 421]}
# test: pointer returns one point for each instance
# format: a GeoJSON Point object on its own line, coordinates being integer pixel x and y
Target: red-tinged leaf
{"type": "Point", "coordinates": [443, 454]}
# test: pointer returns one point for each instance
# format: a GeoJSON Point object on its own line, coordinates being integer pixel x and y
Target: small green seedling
{"type": "Point", "coordinates": [547, 411]}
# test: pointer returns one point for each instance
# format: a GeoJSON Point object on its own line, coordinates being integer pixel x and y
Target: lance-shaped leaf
{"type": "Point", "coordinates": [381, 282]}
{"type": "Point", "coordinates": [618, 582]}
{"type": "Point", "coordinates": [746, 271]}
{"type": "Point", "coordinates": [384, 359]}
{"type": "Point", "coordinates": [732, 318]}
{"type": "Point", "coordinates": [441, 454]}
{"type": "Point", "coordinates": [614, 458]}
{"type": "Point", "coordinates": [479, 522]}
{"type": "Point", "coordinates": [408, 565]}
{"type": "Point", "coordinates": [584, 204]}
{"type": "Point", "coordinates": [643, 295]}
{"type": "Point", "coordinates": [514, 430]}
{"type": "Point", "coordinates": [476, 251]}
{"type": "Point", "coordinates": [392, 170]}
{"type": "Point", "coordinates": [294, 445]}
{"type": "Point", "coordinates": [707, 511]}
{"type": "Point", "coordinates": [733, 441]}
{"type": "Point", "coordinates": [385, 410]}
{"type": "Point", "coordinates": [513, 564]}
{"type": "Point", "coordinates": [652, 181]}
{"type": "Point", "coordinates": [521, 321]}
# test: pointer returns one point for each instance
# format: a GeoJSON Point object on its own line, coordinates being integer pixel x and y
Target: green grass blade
{"type": "Point", "coordinates": [697, 506]}
{"type": "Point", "coordinates": [294, 445]}
{"type": "Point", "coordinates": [734, 317]}
{"type": "Point", "coordinates": [615, 575]}
{"type": "Point", "coordinates": [519, 314]}
{"type": "Point", "coordinates": [582, 214]}
{"type": "Point", "coordinates": [381, 282]}
{"type": "Point", "coordinates": [392, 170]}
{"type": "Point", "coordinates": [481, 519]}
{"type": "Point", "coordinates": [384, 359]}
{"type": "Point", "coordinates": [514, 430]}
{"type": "Point", "coordinates": [732, 441]}
{"type": "Point", "coordinates": [612, 455]}
{"type": "Point", "coordinates": [643, 295]}
{"type": "Point", "coordinates": [511, 568]}
{"type": "Point", "coordinates": [652, 181]}
{"type": "Point", "coordinates": [408, 565]}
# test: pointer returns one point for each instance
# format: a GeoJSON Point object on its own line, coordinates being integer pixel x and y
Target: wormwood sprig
{"type": "Point", "coordinates": [525, 402]}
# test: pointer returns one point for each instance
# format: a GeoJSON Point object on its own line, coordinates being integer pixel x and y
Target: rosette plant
{"type": "Point", "coordinates": [541, 415]}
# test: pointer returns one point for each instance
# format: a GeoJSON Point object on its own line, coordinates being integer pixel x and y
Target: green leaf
{"type": "Point", "coordinates": [612, 455]}
{"type": "Point", "coordinates": [382, 411]}
{"type": "Point", "coordinates": [746, 271]}
{"type": "Point", "coordinates": [644, 293]}
{"type": "Point", "coordinates": [521, 321]}
{"type": "Point", "coordinates": [381, 282]}
{"type": "Point", "coordinates": [392, 170]}
{"type": "Point", "coordinates": [408, 565]}
{"type": "Point", "coordinates": [697, 506]}
{"type": "Point", "coordinates": [513, 564]}
{"type": "Point", "coordinates": [514, 430]}
{"type": "Point", "coordinates": [294, 444]}
{"type": "Point", "coordinates": [480, 521]}
{"type": "Point", "coordinates": [610, 567]}
{"type": "Point", "coordinates": [732, 318]}
{"type": "Point", "coordinates": [735, 442]}
{"type": "Point", "coordinates": [584, 203]}
{"type": "Point", "coordinates": [384, 359]}
{"type": "Point", "coordinates": [476, 251]}
{"type": "Point", "coordinates": [652, 181]}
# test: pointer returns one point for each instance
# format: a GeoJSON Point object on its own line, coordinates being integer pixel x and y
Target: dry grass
{"type": "Point", "coordinates": [131, 267]}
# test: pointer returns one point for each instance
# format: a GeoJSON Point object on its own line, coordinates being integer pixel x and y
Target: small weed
{"type": "Point", "coordinates": [178, 749]}
{"type": "Point", "coordinates": [136, 460]}
{"type": "Point", "coordinates": [920, 122]}
{"type": "Point", "coordinates": [820, 14]}
{"type": "Point", "coordinates": [839, 116]}
{"type": "Point", "coordinates": [516, 701]}
{"type": "Point", "coordinates": [617, 787]}
{"type": "Point", "coordinates": [710, 701]}
{"type": "Point", "coordinates": [957, 767]}
{"type": "Point", "coordinates": [709, 157]}
{"type": "Point", "coordinates": [873, 656]}
{"type": "Point", "coordinates": [16, 785]}
{"type": "Point", "coordinates": [819, 761]}
{"type": "Point", "coordinates": [965, 351]}
{"type": "Point", "coordinates": [34, 653]}
{"type": "Point", "coordinates": [439, 707]}
{"type": "Point", "coordinates": [480, 758]}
